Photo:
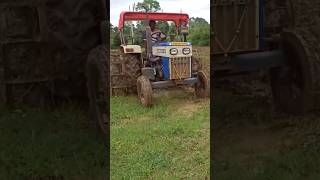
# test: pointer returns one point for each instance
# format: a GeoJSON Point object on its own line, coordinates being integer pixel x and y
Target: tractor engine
{"type": "Point", "coordinates": [175, 60]}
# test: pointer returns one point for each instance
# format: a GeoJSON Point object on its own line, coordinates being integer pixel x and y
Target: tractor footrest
{"type": "Point", "coordinates": [173, 83]}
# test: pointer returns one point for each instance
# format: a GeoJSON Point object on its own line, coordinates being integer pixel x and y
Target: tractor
{"type": "Point", "coordinates": [158, 64]}
{"type": "Point", "coordinates": [53, 52]}
{"type": "Point", "coordinates": [278, 37]}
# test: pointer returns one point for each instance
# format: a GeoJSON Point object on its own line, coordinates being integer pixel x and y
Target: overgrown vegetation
{"type": "Point", "coordinates": [199, 28]}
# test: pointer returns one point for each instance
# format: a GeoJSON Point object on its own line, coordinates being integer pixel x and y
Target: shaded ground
{"type": "Point", "coordinates": [252, 141]}
{"type": "Point", "coordinates": [37, 144]}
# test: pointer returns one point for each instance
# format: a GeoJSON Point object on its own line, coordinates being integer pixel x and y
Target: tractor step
{"type": "Point", "coordinates": [172, 83]}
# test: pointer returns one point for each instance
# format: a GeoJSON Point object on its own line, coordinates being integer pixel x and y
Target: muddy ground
{"type": "Point", "coordinates": [253, 140]}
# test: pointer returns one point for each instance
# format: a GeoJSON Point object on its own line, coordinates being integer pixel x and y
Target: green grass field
{"type": "Point", "coordinates": [168, 141]}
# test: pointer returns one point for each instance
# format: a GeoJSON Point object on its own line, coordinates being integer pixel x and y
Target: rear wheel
{"type": "Point", "coordinates": [295, 86]}
{"type": "Point", "coordinates": [144, 89]}
{"type": "Point", "coordinates": [202, 86]}
{"type": "Point", "coordinates": [97, 84]}
{"type": "Point", "coordinates": [125, 69]}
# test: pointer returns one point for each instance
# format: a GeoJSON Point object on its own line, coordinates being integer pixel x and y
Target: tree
{"type": "Point", "coordinates": [163, 26]}
{"type": "Point", "coordinates": [151, 5]}
{"type": "Point", "coordinates": [199, 31]}
{"type": "Point", "coordinates": [195, 22]}
{"type": "Point", "coordinates": [115, 41]}
{"type": "Point", "coordinates": [172, 28]}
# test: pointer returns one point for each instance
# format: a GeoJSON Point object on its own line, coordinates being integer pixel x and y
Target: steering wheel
{"type": "Point", "coordinates": [165, 36]}
{"type": "Point", "coordinates": [159, 34]}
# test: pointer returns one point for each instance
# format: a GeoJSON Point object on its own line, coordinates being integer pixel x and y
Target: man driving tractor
{"type": "Point", "coordinates": [156, 34]}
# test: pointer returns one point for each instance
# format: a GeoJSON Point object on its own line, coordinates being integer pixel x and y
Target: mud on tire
{"type": "Point", "coordinates": [144, 90]}
{"type": "Point", "coordinates": [202, 87]}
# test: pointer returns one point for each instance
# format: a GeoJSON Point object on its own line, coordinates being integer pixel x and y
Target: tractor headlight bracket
{"type": "Point", "coordinates": [186, 51]}
{"type": "Point", "coordinates": [173, 51]}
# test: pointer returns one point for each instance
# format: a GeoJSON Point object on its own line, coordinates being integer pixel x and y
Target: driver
{"type": "Point", "coordinates": [156, 34]}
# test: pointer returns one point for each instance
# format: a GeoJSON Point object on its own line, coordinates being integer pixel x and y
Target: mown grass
{"type": "Point", "coordinates": [59, 144]}
{"type": "Point", "coordinates": [168, 141]}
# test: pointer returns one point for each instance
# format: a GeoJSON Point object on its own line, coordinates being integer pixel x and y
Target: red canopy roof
{"type": "Point", "coordinates": [139, 16]}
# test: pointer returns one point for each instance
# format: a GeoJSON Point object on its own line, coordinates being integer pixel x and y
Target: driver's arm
{"type": "Point", "coordinates": [163, 36]}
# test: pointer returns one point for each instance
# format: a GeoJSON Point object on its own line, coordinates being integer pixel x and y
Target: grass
{"type": "Point", "coordinates": [60, 144]}
{"type": "Point", "coordinates": [168, 141]}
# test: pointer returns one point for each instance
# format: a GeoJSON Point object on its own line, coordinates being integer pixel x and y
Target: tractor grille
{"type": "Point", "coordinates": [180, 67]}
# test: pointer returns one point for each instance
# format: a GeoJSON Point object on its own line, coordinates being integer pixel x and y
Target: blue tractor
{"type": "Point", "coordinates": [159, 64]}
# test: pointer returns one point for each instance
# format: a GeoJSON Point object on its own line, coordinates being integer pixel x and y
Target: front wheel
{"type": "Point", "coordinates": [202, 86]}
{"type": "Point", "coordinates": [144, 90]}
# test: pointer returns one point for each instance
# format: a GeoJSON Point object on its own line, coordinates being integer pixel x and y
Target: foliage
{"type": "Point", "coordinates": [163, 26]}
{"type": "Point", "coordinates": [115, 41]}
{"type": "Point", "coordinates": [199, 33]}
{"type": "Point", "coordinates": [151, 5]}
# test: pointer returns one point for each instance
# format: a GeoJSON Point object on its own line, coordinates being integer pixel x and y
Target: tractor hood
{"type": "Point", "coordinates": [172, 49]}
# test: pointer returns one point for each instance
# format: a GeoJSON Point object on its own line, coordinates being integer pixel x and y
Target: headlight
{"type": "Point", "coordinates": [186, 51]}
{"type": "Point", "coordinates": [174, 51]}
